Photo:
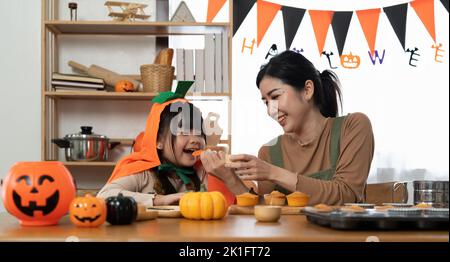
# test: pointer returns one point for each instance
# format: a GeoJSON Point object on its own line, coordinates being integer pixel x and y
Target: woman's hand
{"type": "Point", "coordinates": [249, 167]}
{"type": "Point", "coordinates": [166, 200]}
{"type": "Point", "coordinates": [214, 164]}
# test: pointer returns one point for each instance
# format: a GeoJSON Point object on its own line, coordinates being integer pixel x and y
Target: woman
{"type": "Point", "coordinates": [320, 154]}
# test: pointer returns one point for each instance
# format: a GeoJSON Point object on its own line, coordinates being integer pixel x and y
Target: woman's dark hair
{"type": "Point", "coordinates": [294, 69]}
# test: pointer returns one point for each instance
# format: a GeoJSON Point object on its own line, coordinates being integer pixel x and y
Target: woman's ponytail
{"type": "Point", "coordinates": [328, 95]}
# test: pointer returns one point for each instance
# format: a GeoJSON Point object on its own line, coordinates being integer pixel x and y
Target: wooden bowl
{"type": "Point", "coordinates": [267, 213]}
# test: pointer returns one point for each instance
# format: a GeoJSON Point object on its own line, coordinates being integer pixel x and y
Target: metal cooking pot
{"type": "Point", "coordinates": [85, 146]}
{"type": "Point", "coordinates": [431, 192]}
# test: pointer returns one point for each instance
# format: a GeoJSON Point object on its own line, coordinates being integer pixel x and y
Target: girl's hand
{"type": "Point", "coordinates": [249, 167]}
{"type": "Point", "coordinates": [214, 163]}
{"type": "Point", "coordinates": [166, 200]}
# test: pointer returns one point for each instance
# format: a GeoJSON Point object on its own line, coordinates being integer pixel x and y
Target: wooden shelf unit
{"type": "Point", "coordinates": [133, 28]}
{"type": "Point", "coordinates": [100, 95]}
{"type": "Point", "coordinates": [52, 28]}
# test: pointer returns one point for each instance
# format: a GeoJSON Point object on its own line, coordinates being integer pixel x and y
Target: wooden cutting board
{"type": "Point", "coordinates": [285, 210]}
{"type": "Point", "coordinates": [166, 211]}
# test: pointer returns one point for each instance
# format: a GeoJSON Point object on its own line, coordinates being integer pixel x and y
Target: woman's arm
{"type": "Point", "coordinates": [214, 164]}
{"type": "Point", "coordinates": [349, 180]}
{"type": "Point", "coordinates": [249, 167]}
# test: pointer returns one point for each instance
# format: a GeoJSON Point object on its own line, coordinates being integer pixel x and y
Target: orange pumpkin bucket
{"type": "Point", "coordinates": [38, 193]}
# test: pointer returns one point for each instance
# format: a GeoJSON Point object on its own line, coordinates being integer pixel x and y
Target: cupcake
{"type": "Point", "coordinates": [246, 200]}
{"type": "Point", "coordinates": [297, 199]}
{"type": "Point", "coordinates": [353, 209]}
{"type": "Point", "coordinates": [275, 198]}
{"type": "Point", "coordinates": [323, 208]}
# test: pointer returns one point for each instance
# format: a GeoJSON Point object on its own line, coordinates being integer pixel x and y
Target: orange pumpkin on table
{"type": "Point", "coordinates": [124, 86]}
{"type": "Point", "coordinates": [38, 193]}
{"type": "Point", "coordinates": [203, 205]}
{"type": "Point", "coordinates": [87, 211]}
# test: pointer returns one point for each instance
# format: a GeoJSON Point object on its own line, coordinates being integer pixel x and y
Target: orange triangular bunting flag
{"type": "Point", "coordinates": [266, 13]}
{"type": "Point", "coordinates": [369, 24]}
{"type": "Point", "coordinates": [321, 21]}
{"type": "Point", "coordinates": [425, 10]}
{"type": "Point", "coordinates": [214, 7]}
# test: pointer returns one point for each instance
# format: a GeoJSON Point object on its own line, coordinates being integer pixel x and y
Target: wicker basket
{"type": "Point", "coordinates": [157, 78]}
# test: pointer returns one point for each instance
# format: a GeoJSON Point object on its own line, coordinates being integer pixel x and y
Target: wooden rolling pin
{"type": "Point", "coordinates": [110, 77]}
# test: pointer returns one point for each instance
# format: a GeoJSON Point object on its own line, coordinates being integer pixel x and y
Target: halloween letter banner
{"type": "Point", "coordinates": [340, 21]}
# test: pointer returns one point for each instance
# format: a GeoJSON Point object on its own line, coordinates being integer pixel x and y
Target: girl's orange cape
{"type": "Point", "coordinates": [147, 157]}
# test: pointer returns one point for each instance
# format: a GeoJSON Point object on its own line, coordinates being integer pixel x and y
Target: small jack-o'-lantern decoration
{"type": "Point", "coordinates": [121, 210]}
{"type": "Point", "coordinates": [38, 193]}
{"type": "Point", "coordinates": [350, 61]}
{"type": "Point", "coordinates": [203, 205]}
{"type": "Point", "coordinates": [87, 211]}
{"type": "Point", "coordinates": [124, 86]}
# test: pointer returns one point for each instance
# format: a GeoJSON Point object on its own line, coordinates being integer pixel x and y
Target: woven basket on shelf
{"type": "Point", "coordinates": [157, 78]}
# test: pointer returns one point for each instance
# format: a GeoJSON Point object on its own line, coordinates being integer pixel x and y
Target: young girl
{"type": "Point", "coordinates": [164, 167]}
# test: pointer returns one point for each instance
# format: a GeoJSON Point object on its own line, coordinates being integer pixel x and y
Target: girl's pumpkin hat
{"type": "Point", "coordinates": [147, 157]}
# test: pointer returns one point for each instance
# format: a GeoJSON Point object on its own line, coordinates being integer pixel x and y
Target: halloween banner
{"type": "Point", "coordinates": [214, 7]}
{"type": "Point", "coordinates": [339, 20]}
{"type": "Point", "coordinates": [240, 11]}
{"type": "Point", "coordinates": [292, 17]}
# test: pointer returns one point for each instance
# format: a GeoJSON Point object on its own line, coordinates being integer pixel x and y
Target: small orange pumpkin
{"type": "Point", "coordinates": [38, 193]}
{"type": "Point", "coordinates": [87, 211]}
{"type": "Point", "coordinates": [124, 86]}
{"type": "Point", "coordinates": [203, 205]}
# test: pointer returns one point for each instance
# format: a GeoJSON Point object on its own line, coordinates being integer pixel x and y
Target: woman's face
{"type": "Point", "coordinates": [284, 104]}
{"type": "Point", "coordinates": [184, 145]}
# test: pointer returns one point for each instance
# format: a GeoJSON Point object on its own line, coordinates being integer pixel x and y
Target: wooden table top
{"type": "Point", "coordinates": [291, 228]}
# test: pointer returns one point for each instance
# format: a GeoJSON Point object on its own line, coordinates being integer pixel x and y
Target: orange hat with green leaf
{"type": "Point", "coordinates": [147, 157]}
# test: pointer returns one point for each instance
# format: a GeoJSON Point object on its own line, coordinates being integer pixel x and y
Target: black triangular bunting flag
{"type": "Point", "coordinates": [445, 4]}
{"type": "Point", "coordinates": [292, 17]}
{"type": "Point", "coordinates": [240, 11]}
{"type": "Point", "coordinates": [340, 25]}
{"type": "Point", "coordinates": [397, 17]}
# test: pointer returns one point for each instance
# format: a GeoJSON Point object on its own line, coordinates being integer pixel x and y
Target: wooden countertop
{"type": "Point", "coordinates": [292, 228]}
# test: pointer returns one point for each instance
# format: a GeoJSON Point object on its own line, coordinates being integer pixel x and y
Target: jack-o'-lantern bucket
{"type": "Point", "coordinates": [38, 193]}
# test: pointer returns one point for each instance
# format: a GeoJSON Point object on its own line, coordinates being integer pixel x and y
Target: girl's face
{"type": "Point", "coordinates": [184, 145]}
{"type": "Point", "coordinates": [284, 104]}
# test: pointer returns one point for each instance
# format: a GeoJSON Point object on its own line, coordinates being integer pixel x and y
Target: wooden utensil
{"type": "Point", "coordinates": [166, 211]}
{"type": "Point", "coordinates": [110, 77]}
{"type": "Point", "coordinates": [145, 214]}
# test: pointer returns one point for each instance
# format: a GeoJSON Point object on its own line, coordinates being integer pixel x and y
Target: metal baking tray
{"type": "Point", "coordinates": [377, 220]}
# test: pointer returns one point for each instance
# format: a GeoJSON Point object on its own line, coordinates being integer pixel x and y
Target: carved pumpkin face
{"type": "Point", "coordinates": [124, 86]}
{"type": "Point", "coordinates": [350, 61]}
{"type": "Point", "coordinates": [38, 193]}
{"type": "Point", "coordinates": [87, 211]}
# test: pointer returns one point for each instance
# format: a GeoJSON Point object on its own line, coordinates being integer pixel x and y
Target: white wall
{"type": "Point", "coordinates": [408, 106]}
{"type": "Point", "coordinates": [20, 71]}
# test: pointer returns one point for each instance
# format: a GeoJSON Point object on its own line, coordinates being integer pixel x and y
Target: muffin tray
{"type": "Point", "coordinates": [379, 220]}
